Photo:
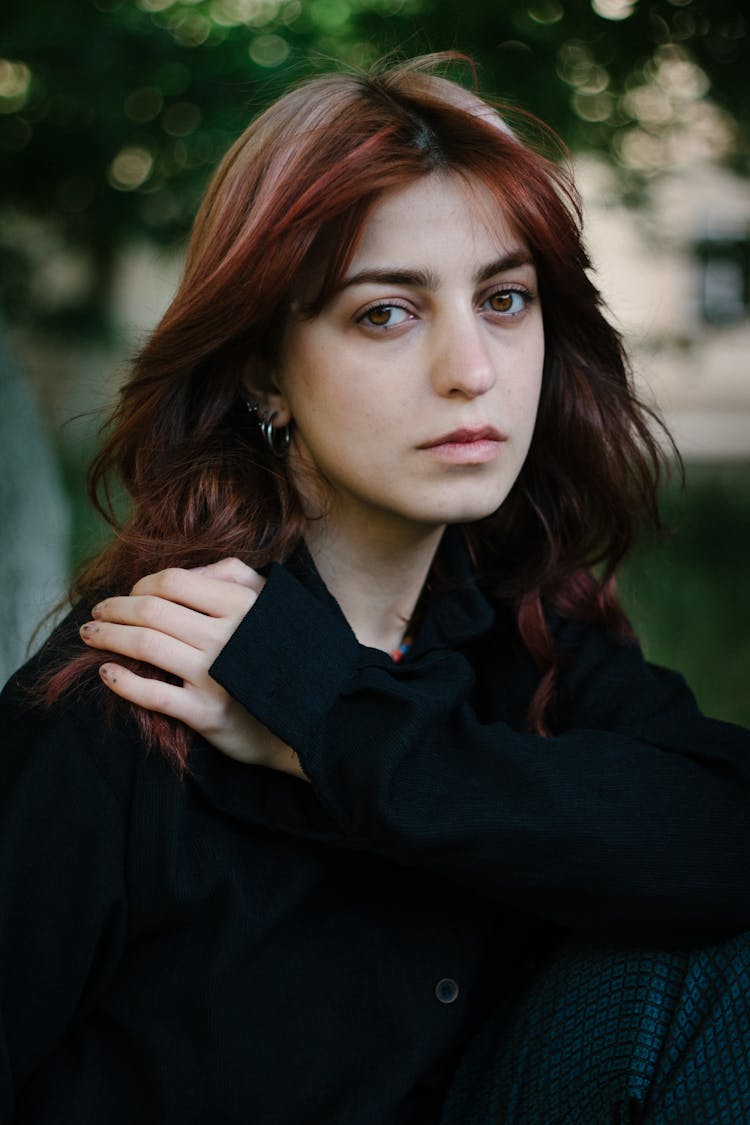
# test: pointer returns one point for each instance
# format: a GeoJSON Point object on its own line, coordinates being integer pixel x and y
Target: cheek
{"type": "Point", "coordinates": [343, 396]}
{"type": "Point", "coordinates": [328, 419]}
{"type": "Point", "coordinates": [525, 389]}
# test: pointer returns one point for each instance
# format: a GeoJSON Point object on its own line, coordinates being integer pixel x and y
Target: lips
{"type": "Point", "coordinates": [465, 436]}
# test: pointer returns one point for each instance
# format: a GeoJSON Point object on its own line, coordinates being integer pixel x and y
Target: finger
{"type": "Point", "coordinates": [148, 645]}
{"type": "Point", "coordinates": [233, 570]}
{"type": "Point", "coordinates": [188, 625]}
{"type": "Point", "coordinates": [154, 695]}
{"type": "Point", "coordinates": [213, 596]}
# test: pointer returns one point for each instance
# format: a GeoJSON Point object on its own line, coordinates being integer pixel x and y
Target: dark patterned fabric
{"type": "Point", "coordinates": [614, 1036]}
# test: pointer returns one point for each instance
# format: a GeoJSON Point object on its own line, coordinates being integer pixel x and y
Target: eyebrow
{"type": "Point", "coordinates": [426, 279]}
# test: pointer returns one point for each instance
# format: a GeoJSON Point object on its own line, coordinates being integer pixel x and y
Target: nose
{"type": "Point", "coordinates": [462, 364]}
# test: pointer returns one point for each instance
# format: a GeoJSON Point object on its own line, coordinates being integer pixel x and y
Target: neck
{"type": "Point", "coordinates": [376, 578]}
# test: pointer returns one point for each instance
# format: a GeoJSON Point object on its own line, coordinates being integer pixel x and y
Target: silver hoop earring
{"type": "Point", "coordinates": [277, 437]}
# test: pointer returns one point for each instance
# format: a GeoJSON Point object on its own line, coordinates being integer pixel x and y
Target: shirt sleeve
{"type": "Point", "coordinates": [62, 897]}
{"type": "Point", "coordinates": [635, 816]}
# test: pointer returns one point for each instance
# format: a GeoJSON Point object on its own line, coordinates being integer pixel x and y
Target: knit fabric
{"type": "Point", "coordinates": [609, 1036]}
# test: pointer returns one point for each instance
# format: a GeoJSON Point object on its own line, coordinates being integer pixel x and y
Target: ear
{"type": "Point", "coordinates": [260, 385]}
{"type": "Point", "coordinates": [278, 405]}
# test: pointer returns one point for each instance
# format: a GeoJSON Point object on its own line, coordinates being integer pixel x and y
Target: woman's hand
{"type": "Point", "coordinates": [179, 621]}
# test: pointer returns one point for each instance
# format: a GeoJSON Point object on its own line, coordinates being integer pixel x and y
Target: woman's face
{"type": "Point", "coordinates": [414, 392]}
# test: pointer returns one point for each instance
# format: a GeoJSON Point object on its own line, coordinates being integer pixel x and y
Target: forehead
{"type": "Point", "coordinates": [442, 216]}
{"type": "Point", "coordinates": [444, 223]}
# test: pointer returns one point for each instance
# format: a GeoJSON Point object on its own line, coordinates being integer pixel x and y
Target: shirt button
{"type": "Point", "coordinates": [446, 990]}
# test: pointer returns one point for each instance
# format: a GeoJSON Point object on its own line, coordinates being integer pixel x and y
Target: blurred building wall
{"type": "Point", "coordinates": [675, 276]}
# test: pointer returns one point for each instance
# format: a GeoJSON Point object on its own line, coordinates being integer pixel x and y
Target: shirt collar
{"type": "Point", "coordinates": [455, 613]}
{"type": "Point", "coordinates": [458, 611]}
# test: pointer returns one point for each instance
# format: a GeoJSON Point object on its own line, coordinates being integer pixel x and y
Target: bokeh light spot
{"type": "Point", "coordinates": [329, 14]}
{"type": "Point", "coordinates": [144, 104]}
{"type": "Point", "coordinates": [15, 83]}
{"type": "Point", "coordinates": [593, 107]}
{"type": "Point", "coordinates": [546, 11]}
{"type": "Point", "coordinates": [130, 168]}
{"type": "Point", "coordinates": [613, 9]}
{"type": "Point", "coordinates": [269, 50]}
{"type": "Point", "coordinates": [679, 76]}
{"type": "Point", "coordinates": [189, 29]}
{"type": "Point", "coordinates": [648, 104]}
{"type": "Point", "coordinates": [253, 13]}
{"type": "Point", "coordinates": [640, 150]}
{"type": "Point", "coordinates": [290, 11]}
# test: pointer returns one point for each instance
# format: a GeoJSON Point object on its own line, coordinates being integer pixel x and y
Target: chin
{"type": "Point", "coordinates": [471, 513]}
{"type": "Point", "coordinates": [479, 507]}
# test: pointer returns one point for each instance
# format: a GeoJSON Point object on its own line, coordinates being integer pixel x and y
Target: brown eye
{"type": "Point", "coordinates": [502, 302]}
{"type": "Point", "coordinates": [508, 302]}
{"type": "Point", "coordinates": [379, 317]}
{"type": "Point", "coordinates": [384, 316]}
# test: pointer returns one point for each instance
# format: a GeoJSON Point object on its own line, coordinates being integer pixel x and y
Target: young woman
{"type": "Point", "coordinates": [370, 737]}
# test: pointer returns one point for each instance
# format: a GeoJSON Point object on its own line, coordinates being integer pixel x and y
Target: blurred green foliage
{"type": "Point", "coordinates": [689, 596]}
{"type": "Point", "coordinates": [113, 112]}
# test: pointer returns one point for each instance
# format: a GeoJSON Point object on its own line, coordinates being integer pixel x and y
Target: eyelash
{"type": "Point", "coordinates": [504, 290]}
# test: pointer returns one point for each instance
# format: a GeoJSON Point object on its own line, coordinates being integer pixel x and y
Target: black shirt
{"type": "Point", "coordinates": [242, 946]}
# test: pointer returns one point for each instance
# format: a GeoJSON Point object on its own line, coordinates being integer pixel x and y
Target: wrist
{"type": "Point", "coordinates": [281, 757]}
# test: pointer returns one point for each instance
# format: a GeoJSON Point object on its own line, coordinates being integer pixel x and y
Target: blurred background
{"type": "Point", "coordinates": [114, 112]}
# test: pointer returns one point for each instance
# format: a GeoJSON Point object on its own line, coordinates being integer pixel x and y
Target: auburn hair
{"type": "Point", "coordinates": [303, 176]}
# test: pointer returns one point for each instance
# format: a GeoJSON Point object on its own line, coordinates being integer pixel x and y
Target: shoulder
{"type": "Point", "coordinates": [80, 740]}
{"type": "Point", "coordinates": [606, 682]}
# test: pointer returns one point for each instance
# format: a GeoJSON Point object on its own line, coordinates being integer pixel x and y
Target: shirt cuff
{"type": "Point", "coordinates": [289, 659]}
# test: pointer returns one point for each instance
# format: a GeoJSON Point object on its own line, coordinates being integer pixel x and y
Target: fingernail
{"type": "Point", "coordinates": [85, 630]}
{"type": "Point", "coordinates": [106, 671]}
{"type": "Point", "coordinates": [97, 609]}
